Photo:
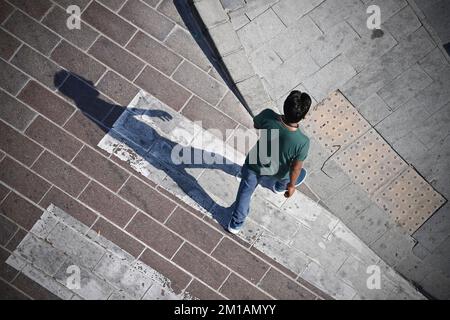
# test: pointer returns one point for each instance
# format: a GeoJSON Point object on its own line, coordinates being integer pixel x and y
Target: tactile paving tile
{"type": "Point", "coordinates": [410, 200]}
{"type": "Point", "coordinates": [370, 162]}
{"type": "Point", "coordinates": [335, 122]}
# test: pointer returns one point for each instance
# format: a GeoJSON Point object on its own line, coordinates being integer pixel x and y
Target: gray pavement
{"type": "Point", "coordinates": [397, 79]}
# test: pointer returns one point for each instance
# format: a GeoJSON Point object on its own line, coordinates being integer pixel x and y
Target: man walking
{"type": "Point", "coordinates": [278, 156]}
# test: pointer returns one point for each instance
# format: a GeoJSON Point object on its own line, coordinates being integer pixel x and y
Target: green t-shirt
{"type": "Point", "coordinates": [288, 145]}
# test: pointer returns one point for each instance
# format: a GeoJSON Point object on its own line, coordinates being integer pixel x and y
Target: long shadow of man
{"type": "Point", "coordinates": [151, 146]}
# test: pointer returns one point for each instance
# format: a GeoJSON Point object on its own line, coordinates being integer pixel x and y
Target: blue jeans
{"type": "Point", "coordinates": [248, 184]}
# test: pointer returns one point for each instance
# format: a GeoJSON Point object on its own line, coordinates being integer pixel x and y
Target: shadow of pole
{"type": "Point", "coordinates": [198, 30]}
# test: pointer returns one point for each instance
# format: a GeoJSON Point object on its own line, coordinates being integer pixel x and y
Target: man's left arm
{"type": "Point", "coordinates": [296, 169]}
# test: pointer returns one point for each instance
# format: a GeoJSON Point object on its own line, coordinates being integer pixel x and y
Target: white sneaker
{"type": "Point", "coordinates": [232, 230]}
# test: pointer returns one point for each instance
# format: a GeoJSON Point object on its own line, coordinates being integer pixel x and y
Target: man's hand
{"type": "Point", "coordinates": [290, 190]}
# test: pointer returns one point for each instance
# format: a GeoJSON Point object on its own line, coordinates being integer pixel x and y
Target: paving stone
{"type": "Point", "coordinates": [414, 268]}
{"type": "Point", "coordinates": [283, 288]}
{"type": "Point", "coordinates": [33, 289]}
{"type": "Point", "coordinates": [326, 80]}
{"type": "Point", "coordinates": [439, 257]}
{"type": "Point", "coordinates": [17, 145]}
{"type": "Point", "coordinates": [200, 83]}
{"type": "Point", "coordinates": [434, 96]}
{"type": "Point", "coordinates": [8, 230]}
{"type": "Point", "coordinates": [433, 129]}
{"type": "Point", "coordinates": [169, 9]}
{"type": "Point", "coordinates": [194, 230]}
{"type": "Point", "coordinates": [393, 245]}
{"type": "Point", "coordinates": [114, 57]}
{"type": "Point", "coordinates": [85, 129]}
{"type": "Point", "coordinates": [7, 272]}
{"type": "Point", "coordinates": [253, 92]}
{"type": "Point", "coordinates": [76, 61]}
{"type": "Point", "coordinates": [154, 235]}
{"type": "Point", "coordinates": [371, 224]}
{"type": "Point", "coordinates": [117, 88]}
{"type": "Point", "coordinates": [108, 23]}
{"type": "Point", "coordinates": [11, 293]}
{"type": "Point", "coordinates": [157, 292]}
{"type": "Point", "coordinates": [334, 42]}
{"type": "Point", "coordinates": [154, 53]}
{"type": "Point", "coordinates": [256, 7]}
{"type": "Point", "coordinates": [197, 110]}
{"type": "Point", "coordinates": [31, 32]}
{"type": "Point", "coordinates": [436, 285]}
{"type": "Point", "coordinates": [266, 215]}
{"type": "Point", "coordinates": [374, 109]}
{"type": "Point", "coordinates": [231, 106]}
{"type": "Point", "coordinates": [435, 230]}
{"type": "Point", "coordinates": [201, 265]}
{"type": "Point", "coordinates": [65, 3]}
{"type": "Point", "coordinates": [224, 193]}
{"type": "Point", "coordinates": [349, 202]}
{"type": "Point", "coordinates": [296, 37]}
{"type": "Point", "coordinates": [402, 88]}
{"type": "Point", "coordinates": [238, 19]}
{"type": "Point", "coordinates": [67, 219]}
{"type": "Point", "coordinates": [62, 175]}
{"type": "Point", "coordinates": [117, 236]}
{"type": "Point", "coordinates": [8, 45]}
{"type": "Point", "coordinates": [100, 168]}
{"type": "Point", "coordinates": [238, 65]}
{"type": "Point", "coordinates": [411, 49]}
{"type": "Point", "coordinates": [329, 283]}
{"type": "Point", "coordinates": [184, 44]}
{"type": "Point", "coordinates": [402, 23]}
{"type": "Point", "coordinates": [212, 12]}
{"type": "Point", "coordinates": [36, 65]}
{"type": "Point", "coordinates": [82, 251]}
{"type": "Point", "coordinates": [91, 286]}
{"type": "Point", "coordinates": [310, 214]}
{"type": "Point", "coordinates": [34, 9]}
{"type": "Point", "coordinates": [17, 238]}
{"type": "Point", "coordinates": [202, 292]}
{"type": "Point", "coordinates": [434, 63]}
{"type": "Point", "coordinates": [147, 199]}
{"type": "Point", "coordinates": [401, 121]}
{"type": "Point", "coordinates": [435, 14]}
{"type": "Point", "coordinates": [225, 38]}
{"type": "Point", "coordinates": [236, 288]}
{"type": "Point", "coordinates": [147, 19]}
{"type": "Point", "coordinates": [107, 203]}
{"type": "Point", "coordinates": [53, 138]}
{"type": "Point", "coordinates": [325, 185]}
{"type": "Point", "coordinates": [365, 51]}
{"type": "Point", "coordinates": [41, 254]}
{"type": "Point", "coordinates": [11, 79]}
{"type": "Point", "coordinates": [134, 128]}
{"type": "Point", "coordinates": [330, 13]}
{"type": "Point", "coordinates": [178, 278]}
{"type": "Point", "coordinates": [162, 88]}
{"type": "Point", "coordinates": [23, 180]}
{"type": "Point", "coordinates": [242, 261]}
{"type": "Point", "coordinates": [264, 60]}
{"type": "Point", "coordinates": [283, 254]}
{"type": "Point", "coordinates": [5, 10]}
{"type": "Point", "coordinates": [291, 73]}
{"type": "Point", "coordinates": [44, 225]}
{"type": "Point", "coordinates": [290, 11]}
{"type": "Point", "coordinates": [260, 30]}
{"type": "Point", "coordinates": [122, 275]}
{"type": "Point", "coordinates": [354, 272]}
{"type": "Point", "coordinates": [56, 20]}
{"type": "Point", "coordinates": [46, 103]}
{"type": "Point", "coordinates": [114, 5]}
{"type": "Point", "coordinates": [323, 252]}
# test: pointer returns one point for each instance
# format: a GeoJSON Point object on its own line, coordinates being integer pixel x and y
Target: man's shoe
{"type": "Point", "coordinates": [232, 230]}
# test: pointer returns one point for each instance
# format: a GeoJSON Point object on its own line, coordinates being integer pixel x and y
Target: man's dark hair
{"type": "Point", "coordinates": [296, 106]}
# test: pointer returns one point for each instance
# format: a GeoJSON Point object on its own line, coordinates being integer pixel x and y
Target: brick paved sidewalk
{"type": "Point", "coordinates": [52, 120]}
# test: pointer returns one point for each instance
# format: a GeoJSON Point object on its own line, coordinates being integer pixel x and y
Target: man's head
{"type": "Point", "coordinates": [296, 106]}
